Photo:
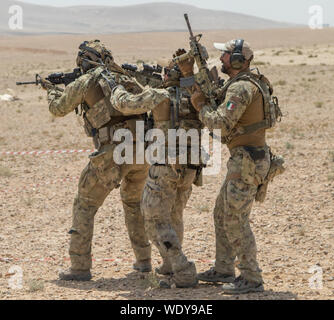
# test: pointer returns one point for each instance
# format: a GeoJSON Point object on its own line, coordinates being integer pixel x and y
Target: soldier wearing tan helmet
{"type": "Point", "coordinates": [89, 95]}
{"type": "Point", "coordinates": [246, 109]}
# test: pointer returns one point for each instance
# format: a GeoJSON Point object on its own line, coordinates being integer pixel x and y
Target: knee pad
{"type": "Point", "coordinates": [167, 237]}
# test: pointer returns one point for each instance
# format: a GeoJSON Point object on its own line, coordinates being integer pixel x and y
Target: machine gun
{"type": "Point", "coordinates": [208, 80]}
{"type": "Point", "coordinates": [55, 78]}
{"type": "Point", "coordinates": [149, 75]}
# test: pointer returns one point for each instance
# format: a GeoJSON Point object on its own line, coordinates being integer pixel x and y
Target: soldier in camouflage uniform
{"type": "Point", "coordinates": [168, 186]}
{"type": "Point", "coordinates": [92, 93]}
{"type": "Point", "coordinates": [242, 116]}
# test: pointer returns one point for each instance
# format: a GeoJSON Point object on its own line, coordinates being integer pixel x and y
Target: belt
{"type": "Point", "coordinates": [254, 153]}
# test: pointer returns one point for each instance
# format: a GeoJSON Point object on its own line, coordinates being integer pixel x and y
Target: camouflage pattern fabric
{"type": "Point", "coordinates": [165, 196]}
{"type": "Point", "coordinates": [128, 104]}
{"type": "Point", "coordinates": [234, 237]}
{"type": "Point", "coordinates": [62, 103]}
{"type": "Point", "coordinates": [99, 178]}
{"type": "Point", "coordinates": [167, 190]}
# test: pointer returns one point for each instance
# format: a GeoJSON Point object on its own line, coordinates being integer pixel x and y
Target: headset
{"type": "Point", "coordinates": [237, 59]}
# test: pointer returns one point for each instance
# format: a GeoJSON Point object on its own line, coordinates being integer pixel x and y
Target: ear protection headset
{"type": "Point", "coordinates": [237, 59]}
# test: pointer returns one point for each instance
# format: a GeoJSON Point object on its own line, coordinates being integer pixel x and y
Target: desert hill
{"type": "Point", "coordinates": [136, 18]}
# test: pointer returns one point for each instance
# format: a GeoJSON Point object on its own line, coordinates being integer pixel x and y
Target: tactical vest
{"type": "Point", "coordinates": [271, 110]}
{"type": "Point", "coordinates": [97, 110]}
{"type": "Point", "coordinates": [178, 114]}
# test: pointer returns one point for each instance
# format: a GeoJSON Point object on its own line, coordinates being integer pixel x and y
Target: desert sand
{"type": "Point", "coordinates": [294, 228]}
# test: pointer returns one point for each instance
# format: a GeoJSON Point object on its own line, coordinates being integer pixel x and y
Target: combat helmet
{"type": "Point", "coordinates": [93, 51]}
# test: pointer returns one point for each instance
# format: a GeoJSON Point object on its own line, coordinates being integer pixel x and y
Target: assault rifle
{"type": "Point", "coordinates": [149, 75]}
{"type": "Point", "coordinates": [55, 78]}
{"type": "Point", "coordinates": [208, 80]}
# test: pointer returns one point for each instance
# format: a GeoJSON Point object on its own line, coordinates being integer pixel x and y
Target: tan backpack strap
{"type": "Point", "coordinates": [260, 85]}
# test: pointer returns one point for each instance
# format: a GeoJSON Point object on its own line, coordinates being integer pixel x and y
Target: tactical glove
{"type": "Point", "coordinates": [198, 99]}
{"type": "Point", "coordinates": [45, 84]}
{"type": "Point", "coordinates": [186, 66]}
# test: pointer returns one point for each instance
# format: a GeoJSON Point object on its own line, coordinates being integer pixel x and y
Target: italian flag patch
{"type": "Point", "coordinates": [230, 106]}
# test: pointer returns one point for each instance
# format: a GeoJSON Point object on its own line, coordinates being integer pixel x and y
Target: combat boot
{"type": "Point", "coordinates": [75, 275]}
{"type": "Point", "coordinates": [143, 266]}
{"type": "Point", "coordinates": [165, 269]}
{"type": "Point", "coordinates": [212, 275]}
{"type": "Point", "coordinates": [241, 286]}
{"type": "Point", "coordinates": [186, 277]}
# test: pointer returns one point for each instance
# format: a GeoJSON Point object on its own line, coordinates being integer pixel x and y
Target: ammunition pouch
{"type": "Point", "coordinates": [105, 135]}
{"type": "Point", "coordinates": [276, 168]}
{"type": "Point", "coordinates": [89, 129]}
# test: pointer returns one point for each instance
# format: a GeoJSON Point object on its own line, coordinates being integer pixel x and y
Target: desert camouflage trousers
{"type": "Point", "coordinates": [234, 237]}
{"type": "Point", "coordinates": [165, 196]}
{"type": "Point", "coordinates": [97, 180]}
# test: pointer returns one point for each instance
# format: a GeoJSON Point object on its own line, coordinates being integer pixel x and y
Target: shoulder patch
{"type": "Point", "coordinates": [233, 103]}
{"type": "Point", "coordinates": [230, 105]}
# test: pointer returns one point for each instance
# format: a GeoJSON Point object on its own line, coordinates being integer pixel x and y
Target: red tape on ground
{"type": "Point", "coordinates": [40, 152]}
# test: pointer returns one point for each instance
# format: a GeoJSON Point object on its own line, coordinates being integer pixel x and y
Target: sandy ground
{"type": "Point", "coordinates": [294, 228]}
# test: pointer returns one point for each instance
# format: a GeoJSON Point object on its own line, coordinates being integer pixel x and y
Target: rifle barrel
{"type": "Point", "coordinates": [23, 83]}
{"type": "Point", "coordinates": [188, 25]}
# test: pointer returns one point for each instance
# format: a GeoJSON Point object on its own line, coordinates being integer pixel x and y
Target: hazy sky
{"type": "Point", "coordinates": [295, 11]}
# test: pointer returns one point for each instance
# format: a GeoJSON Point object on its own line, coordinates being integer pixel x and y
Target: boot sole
{"type": "Point", "coordinates": [225, 280]}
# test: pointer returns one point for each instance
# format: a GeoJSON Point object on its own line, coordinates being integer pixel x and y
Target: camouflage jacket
{"type": "Point", "coordinates": [62, 103]}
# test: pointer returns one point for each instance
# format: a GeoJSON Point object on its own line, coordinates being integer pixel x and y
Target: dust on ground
{"type": "Point", "coordinates": [294, 228]}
